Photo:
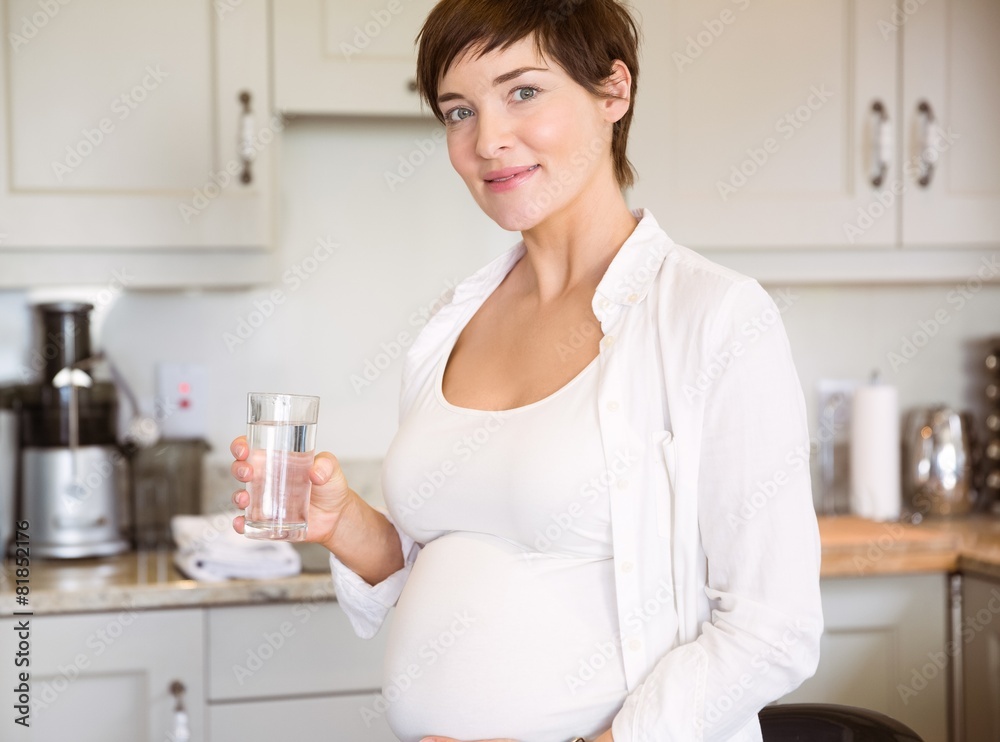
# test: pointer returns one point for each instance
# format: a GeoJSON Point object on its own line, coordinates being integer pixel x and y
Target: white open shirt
{"type": "Point", "coordinates": [716, 545]}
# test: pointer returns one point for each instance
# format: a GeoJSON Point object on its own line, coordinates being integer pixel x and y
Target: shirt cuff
{"type": "Point", "coordinates": [367, 605]}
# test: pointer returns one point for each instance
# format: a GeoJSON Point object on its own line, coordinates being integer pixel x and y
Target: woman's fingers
{"type": "Point", "coordinates": [242, 471]}
{"type": "Point", "coordinates": [238, 523]}
{"type": "Point", "coordinates": [241, 498]}
{"type": "Point", "coordinates": [322, 468]}
{"type": "Point", "coordinates": [239, 447]}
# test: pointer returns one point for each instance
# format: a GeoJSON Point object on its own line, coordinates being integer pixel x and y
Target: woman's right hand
{"type": "Point", "coordinates": [328, 498]}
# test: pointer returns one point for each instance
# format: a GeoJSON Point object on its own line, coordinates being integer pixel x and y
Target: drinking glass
{"type": "Point", "coordinates": [281, 433]}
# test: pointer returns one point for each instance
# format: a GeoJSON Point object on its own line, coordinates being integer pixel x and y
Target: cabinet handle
{"type": "Point", "coordinates": [881, 144]}
{"type": "Point", "coordinates": [181, 730]}
{"type": "Point", "coordinates": [246, 149]}
{"type": "Point", "coordinates": [930, 143]}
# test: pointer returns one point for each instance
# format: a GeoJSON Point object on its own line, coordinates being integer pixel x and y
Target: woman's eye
{"type": "Point", "coordinates": [457, 114]}
{"type": "Point", "coordinates": [525, 93]}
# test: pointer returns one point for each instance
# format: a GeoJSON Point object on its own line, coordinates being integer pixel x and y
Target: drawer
{"type": "Point", "coordinates": [285, 650]}
{"type": "Point", "coordinates": [338, 718]}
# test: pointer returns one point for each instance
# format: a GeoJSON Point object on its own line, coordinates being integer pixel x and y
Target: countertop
{"type": "Point", "coordinates": [852, 547]}
{"type": "Point", "coordinates": [146, 579]}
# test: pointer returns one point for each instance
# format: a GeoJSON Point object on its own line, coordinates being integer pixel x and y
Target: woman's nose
{"type": "Point", "coordinates": [493, 135]}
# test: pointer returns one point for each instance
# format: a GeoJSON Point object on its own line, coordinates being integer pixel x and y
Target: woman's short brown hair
{"type": "Point", "coordinates": [583, 36]}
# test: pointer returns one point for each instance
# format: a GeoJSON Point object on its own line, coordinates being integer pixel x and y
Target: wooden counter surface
{"type": "Point", "coordinates": [853, 547]}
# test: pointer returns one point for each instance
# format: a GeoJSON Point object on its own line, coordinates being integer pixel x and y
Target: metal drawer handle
{"type": "Point", "coordinates": [181, 731]}
{"type": "Point", "coordinates": [881, 144]}
{"type": "Point", "coordinates": [930, 143]}
{"type": "Point", "coordinates": [246, 148]}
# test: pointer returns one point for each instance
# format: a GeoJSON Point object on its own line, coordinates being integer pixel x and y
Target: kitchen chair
{"type": "Point", "coordinates": [824, 722]}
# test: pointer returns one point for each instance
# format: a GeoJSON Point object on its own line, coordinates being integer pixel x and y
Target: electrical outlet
{"type": "Point", "coordinates": [182, 397]}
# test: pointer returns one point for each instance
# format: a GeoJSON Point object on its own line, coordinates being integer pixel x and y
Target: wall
{"type": "Point", "coordinates": [399, 246]}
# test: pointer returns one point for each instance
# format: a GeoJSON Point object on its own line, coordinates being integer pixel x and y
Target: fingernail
{"type": "Point", "coordinates": [242, 471]}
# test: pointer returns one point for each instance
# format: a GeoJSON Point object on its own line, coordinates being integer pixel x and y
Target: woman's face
{"type": "Point", "coordinates": [529, 142]}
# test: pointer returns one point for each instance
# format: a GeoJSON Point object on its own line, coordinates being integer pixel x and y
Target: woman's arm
{"type": "Point", "coordinates": [759, 534]}
{"type": "Point", "coordinates": [366, 542]}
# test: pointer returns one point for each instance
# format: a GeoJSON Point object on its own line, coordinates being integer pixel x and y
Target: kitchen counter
{"type": "Point", "coordinates": [145, 580]}
{"type": "Point", "coordinates": [852, 547]}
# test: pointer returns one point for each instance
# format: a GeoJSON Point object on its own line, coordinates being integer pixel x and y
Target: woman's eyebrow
{"type": "Point", "coordinates": [505, 77]}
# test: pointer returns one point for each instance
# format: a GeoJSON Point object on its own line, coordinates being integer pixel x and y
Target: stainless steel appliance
{"type": "Point", "coordinates": [8, 480]}
{"type": "Point", "coordinates": [71, 475]}
{"type": "Point", "coordinates": [937, 461]}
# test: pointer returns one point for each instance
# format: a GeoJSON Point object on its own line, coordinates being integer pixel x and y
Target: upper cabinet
{"type": "Point", "coordinates": [837, 126]}
{"type": "Point", "coordinates": [136, 137]}
{"type": "Point", "coordinates": [354, 57]}
{"type": "Point", "coordinates": [952, 54]}
{"type": "Point", "coordinates": [754, 120]}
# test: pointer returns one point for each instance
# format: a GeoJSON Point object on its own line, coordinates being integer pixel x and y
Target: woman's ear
{"type": "Point", "coordinates": [618, 91]}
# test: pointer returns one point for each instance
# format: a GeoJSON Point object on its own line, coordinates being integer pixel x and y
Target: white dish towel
{"type": "Point", "coordinates": [209, 549]}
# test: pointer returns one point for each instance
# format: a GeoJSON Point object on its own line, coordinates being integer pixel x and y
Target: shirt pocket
{"type": "Point", "coordinates": [665, 478]}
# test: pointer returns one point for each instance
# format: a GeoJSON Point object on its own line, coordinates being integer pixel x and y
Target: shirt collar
{"type": "Point", "coordinates": [631, 272]}
{"type": "Point", "coordinates": [626, 281]}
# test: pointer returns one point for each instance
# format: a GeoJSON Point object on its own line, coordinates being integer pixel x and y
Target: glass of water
{"type": "Point", "coordinates": [281, 433]}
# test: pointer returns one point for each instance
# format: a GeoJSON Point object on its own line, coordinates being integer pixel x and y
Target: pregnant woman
{"type": "Point", "coordinates": [598, 518]}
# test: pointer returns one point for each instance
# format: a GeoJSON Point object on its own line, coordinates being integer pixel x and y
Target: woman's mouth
{"type": "Point", "coordinates": [508, 178]}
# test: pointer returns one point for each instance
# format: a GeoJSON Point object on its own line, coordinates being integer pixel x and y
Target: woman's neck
{"type": "Point", "coordinates": [575, 246]}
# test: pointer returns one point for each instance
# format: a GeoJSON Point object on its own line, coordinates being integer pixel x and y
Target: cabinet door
{"type": "Point", "coordinates": [951, 56]}
{"type": "Point", "coordinates": [286, 650]}
{"type": "Point", "coordinates": [981, 659]}
{"type": "Point", "coordinates": [883, 648]}
{"type": "Point", "coordinates": [304, 720]}
{"type": "Point", "coordinates": [106, 677]}
{"type": "Point", "coordinates": [754, 124]}
{"type": "Point", "coordinates": [347, 56]}
{"type": "Point", "coordinates": [123, 122]}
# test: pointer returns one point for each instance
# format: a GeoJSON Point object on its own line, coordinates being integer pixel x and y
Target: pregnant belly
{"type": "Point", "coordinates": [489, 641]}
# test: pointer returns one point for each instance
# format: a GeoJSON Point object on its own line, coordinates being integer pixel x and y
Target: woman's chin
{"type": "Point", "coordinates": [517, 220]}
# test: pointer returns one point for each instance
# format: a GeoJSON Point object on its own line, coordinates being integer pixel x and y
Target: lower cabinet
{"type": "Point", "coordinates": [327, 719]}
{"type": "Point", "coordinates": [884, 648]}
{"type": "Point", "coordinates": [981, 677]}
{"type": "Point", "coordinates": [292, 671]}
{"type": "Point", "coordinates": [250, 673]}
{"type": "Point", "coordinates": [105, 677]}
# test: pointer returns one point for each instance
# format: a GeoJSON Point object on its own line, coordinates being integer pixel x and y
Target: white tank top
{"type": "Point", "coordinates": [507, 625]}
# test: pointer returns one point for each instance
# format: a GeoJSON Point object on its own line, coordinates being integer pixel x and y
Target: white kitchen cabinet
{"type": "Point", "coordinates": [303, 720]}
{"type": "Point", "coordinates": [347, 56]}
{"type": "Point", "coordinates": [124, 146]}
{"type": "Point", "coordinates": [752, 120]}
{"type": "Point", "coordinates": [293, 670]}
{"type": "Point", "coordinates": [107, 677]}
{"type": "Point", "coordinates": [951, 50]}
{"type": "Point", "coordinates": [756, 135]}
{"type": "Point", "coordinates": [980, 636]}
{"type": "Point", "coordinates": [883, 648]}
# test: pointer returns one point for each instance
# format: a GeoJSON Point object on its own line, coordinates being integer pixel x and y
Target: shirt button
{"type": "Point", "coordinates": [604, 303]}
{"type": "Point", "coordinates": [634, 644]}
{"type": "Point", "coordinates": [622, 484]}
{"type": "Point", "coordinates": [608, 341]}
{"type": "Point", "coordinates": [626, 567]}
{"type": "Point", "coordinates": [633, 298]}
{"type": "Point", "coordinates": [613, 405]}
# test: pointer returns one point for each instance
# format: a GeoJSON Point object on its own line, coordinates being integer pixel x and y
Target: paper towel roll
{"type": "Point", "coordinates": [875, 466]}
